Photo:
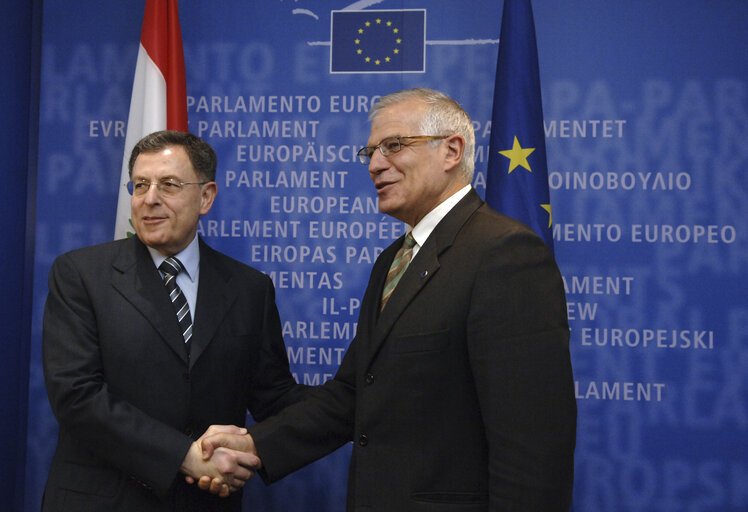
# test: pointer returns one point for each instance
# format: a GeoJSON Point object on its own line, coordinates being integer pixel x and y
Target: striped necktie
{"type": "Point", "coordinates": [171, 267]}
{"type": "Point", "coordinates": [397, 269]}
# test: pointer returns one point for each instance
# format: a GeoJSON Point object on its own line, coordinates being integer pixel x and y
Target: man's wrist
{"type": "Point", "coordinates": [192, 460]}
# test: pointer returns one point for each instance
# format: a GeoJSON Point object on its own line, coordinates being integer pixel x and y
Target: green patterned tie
{"type": "Point", "coordinates": [397, 269]}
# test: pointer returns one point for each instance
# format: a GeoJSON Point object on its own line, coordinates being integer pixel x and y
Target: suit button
{"type": "Point", "coordinates": [188, 431]}
{"type": "Point", "coordinates": [363, 440]}
{"type": "Point", "coordinates": [186, 376]}
{"type": "Point", "coordinates": [370, 379]}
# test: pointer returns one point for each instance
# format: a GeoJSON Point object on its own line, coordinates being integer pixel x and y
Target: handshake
{"type": "Point", "coordinates": [222, 460]}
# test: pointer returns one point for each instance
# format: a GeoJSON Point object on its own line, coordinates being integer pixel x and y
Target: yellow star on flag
{"type": "Point", "coordinates": [547, 207]}
{"type": "Point", "coordinates": [517, 156]}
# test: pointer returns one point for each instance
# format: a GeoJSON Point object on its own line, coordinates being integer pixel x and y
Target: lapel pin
{"type": "Point", "coordinates": [424, 273]}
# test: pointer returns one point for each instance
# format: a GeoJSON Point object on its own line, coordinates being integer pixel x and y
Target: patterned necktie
{"type": "Point", "coordinates": [171, 267]}
{"type": "Point", "coordinates": [397, 269]}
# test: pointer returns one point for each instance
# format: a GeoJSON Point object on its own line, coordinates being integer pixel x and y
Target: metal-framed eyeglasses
{"type": "Point", "coordinates": [392, 145]}
{"type": "Point", "coordinates": [168, 187]}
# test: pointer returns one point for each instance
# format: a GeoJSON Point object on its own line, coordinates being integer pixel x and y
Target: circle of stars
{"type": "Point", "coordinates": [378, 60]}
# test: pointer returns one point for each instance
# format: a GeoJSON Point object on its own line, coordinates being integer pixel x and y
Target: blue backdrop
{"type": "Point", "coordinates": [646, 119]}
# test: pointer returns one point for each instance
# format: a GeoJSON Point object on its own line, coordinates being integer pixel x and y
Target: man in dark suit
{"type": "Point", "coordinates": [457, 390]}
{"type": "Point", "coordinates": [132, 381]}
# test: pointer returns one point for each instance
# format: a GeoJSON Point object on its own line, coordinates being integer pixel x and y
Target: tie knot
{"type": "Point", "coordinates": [409, 242]}
{"type": "Point", "coordinates": [171, 266]}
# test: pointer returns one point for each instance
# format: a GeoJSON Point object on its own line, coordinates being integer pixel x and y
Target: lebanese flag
{"type": "Point", "coordinates": [159, 92]}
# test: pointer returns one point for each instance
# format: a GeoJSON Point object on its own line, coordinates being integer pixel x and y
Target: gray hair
{"type": "Point", "coordinates": [444, 117]}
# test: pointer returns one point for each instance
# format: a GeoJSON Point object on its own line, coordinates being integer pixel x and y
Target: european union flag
{"type": "Point", "coordinates": [378, 41]}
{"type": "Point", "coordinates": [517, 175]}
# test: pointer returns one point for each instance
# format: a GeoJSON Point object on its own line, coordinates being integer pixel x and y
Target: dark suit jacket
{"type": "Point", "coordinates": [128, 400]}
{"type": "Point", "coordinates": [459, 396]}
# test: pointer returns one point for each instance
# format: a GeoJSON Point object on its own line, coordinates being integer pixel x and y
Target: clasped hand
{"type": "Point", "coordinates": [222, 460]}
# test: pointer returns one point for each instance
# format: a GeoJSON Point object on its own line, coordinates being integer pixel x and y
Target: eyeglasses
{"type": "Point", "coordinates": [393, 145]}
{"type": "Point", "coordinates": [168, 187]}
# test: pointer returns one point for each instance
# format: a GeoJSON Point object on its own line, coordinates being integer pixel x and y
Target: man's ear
{"type": "Point", "coordinates": [455, 145]}
{"type": "Point", "coordinates": [207, 196]}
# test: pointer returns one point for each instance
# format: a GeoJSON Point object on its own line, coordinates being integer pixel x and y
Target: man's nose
{"type": "Point", "coordinates": [377, 163]}
{"type": "Point", "coordinates": [152, 195]}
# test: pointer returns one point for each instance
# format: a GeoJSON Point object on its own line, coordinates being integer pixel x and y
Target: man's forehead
{"type": "Point", "coordinates": [168, 159]}
{"type": "Point", "coordinates": [396, 120]}
{"type": "Point", "coordinates": [166, 151]}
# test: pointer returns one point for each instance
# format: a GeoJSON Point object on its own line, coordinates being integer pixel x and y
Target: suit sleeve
{"type": "Point", "coordinates": [110, 429]}
{"type": "Point", "coordinates": [310, 429]}
{"type": "Point", "coordinates": [273, 387]}
{"type": "Point", "coordinates": [518, 342]}
{"type": "Point", "coordinates": [319, 424]}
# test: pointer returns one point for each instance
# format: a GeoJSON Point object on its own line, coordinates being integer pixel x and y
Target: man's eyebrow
{"type": "Point", "coordinates": [398, 136]}
{"type": "Point", "coordinates": [137, 177]}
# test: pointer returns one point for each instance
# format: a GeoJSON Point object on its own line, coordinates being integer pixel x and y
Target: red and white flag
{"type": "Point", "coordinates": [159, 91]}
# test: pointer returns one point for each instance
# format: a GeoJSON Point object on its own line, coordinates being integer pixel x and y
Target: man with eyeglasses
{"type": "Point", "coordinates": [139, 363]}
{"type": "Point", "coordinates": [457, 390]}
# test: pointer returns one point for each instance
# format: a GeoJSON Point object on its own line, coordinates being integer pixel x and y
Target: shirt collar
{"type": "Point", "coordinates": [189, 256]}
{"type": "Point", "coordinates": [423, 229]}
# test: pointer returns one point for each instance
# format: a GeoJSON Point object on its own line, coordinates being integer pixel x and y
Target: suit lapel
{"type": "Point", "coordinates": [136, 278]}
{"type": "Point", "coordinates": [423, 267]}
{"type": "Point", "coordinates": [215, 294]}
